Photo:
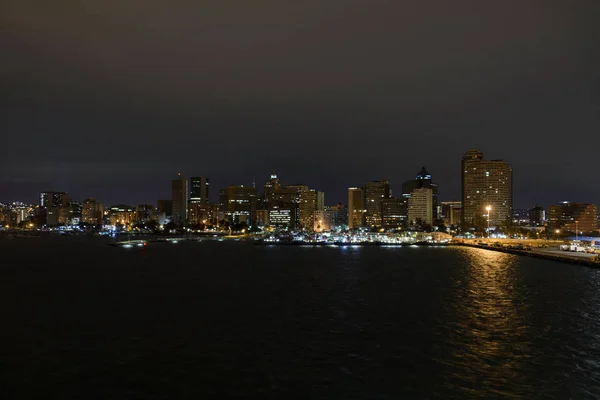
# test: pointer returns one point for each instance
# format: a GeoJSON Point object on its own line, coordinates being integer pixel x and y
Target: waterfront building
{"type": "Point", "coordinates": [323, 221]}
{"type": "Point", "coordinates": [202, 213]}
{"type": "Point", "coordinates": [280, 217]}
{"type": "Point", "coordinates": [122, 215]}
{"type": "Point", "coordinates": [572, 217]}
{"type": "Point", "coordinates": [262, 218]}
{"type": "Point", "coordinates": [241, 203]}
{"type": "Point", "coordinates": [394, 212]}
{"type": "Point", "coordinates": [356, 208]}
{"type": "Point", "coordinates": [485, 183]}
{"type": "Point", "coordinates": [423, 179]}
{"type": "Point", "coordinates": [420, 210]}
{"type": "Point", "coordinates": [338, 214]}
{"type": "Point", "coordinates": [271, 187]}
{"type": "Point", "coordinates": [450, 212]}
{"type": "Point", "coordinates": [199, 186]}
{"type": "Point", "coordinates": [320, 200]}
{"type": "Point", "coordinates": [53, 199]}
{"type": "Point", "coordinates": [179, 197]}
{"type": "Point", "coordinates": [290, 198]}
{"type": "Point", "coordinates": [537, 216]}
{"type": "Point", "coordinates": [375, 192]}
{"type": "Point", "coordinates": [92, 212]}
{"type": "Point", "coordinates": [307, 208]}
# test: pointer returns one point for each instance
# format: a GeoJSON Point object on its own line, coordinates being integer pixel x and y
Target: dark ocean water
{"type": "Point", "coordinates": [80, 319]}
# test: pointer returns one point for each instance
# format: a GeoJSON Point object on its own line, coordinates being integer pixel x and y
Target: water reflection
{"type": "Point", "coordinates": [491, 323]}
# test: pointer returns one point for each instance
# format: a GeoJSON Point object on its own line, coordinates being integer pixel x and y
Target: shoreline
{"type": "Point", "coordinates": [569, 259]}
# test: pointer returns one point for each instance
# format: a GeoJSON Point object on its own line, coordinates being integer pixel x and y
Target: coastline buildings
{"type": "Point", "coordinates": [394, 212]}
{"type": "Point", "coordinates": [423, 180]}
{"type": "Point", "coordinates": [451, 212]}
{"type": "Point", "coordinates": [571, 217]}
{"type": "Point", "coordinates": [485, 184]}
{"type": "Point", "coordinates": [241, 203]}
{"type": "Point", "coordinates": [537, 216]}
{"type": "Point", "coordinates": [269, 189]}
{"type": "Point", "coordinates": [356, 208]}
{"type": "Point", "coordinates": [199, 186]}
{"type": "Point", "coordinates": [92, 212]}
{"type": "Point", "coordinates": [179, 197]}
{"type": "Point", "coordinates": [375, 192]}
{"type": "Point", "coordinates": [420, 206]}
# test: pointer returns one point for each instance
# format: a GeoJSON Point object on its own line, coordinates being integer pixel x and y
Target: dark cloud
{"type": "Point", "coordinates": [115, 97]}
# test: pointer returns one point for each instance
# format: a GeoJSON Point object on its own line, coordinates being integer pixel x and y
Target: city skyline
{"type": "Point", "coordinates": [396, 186]}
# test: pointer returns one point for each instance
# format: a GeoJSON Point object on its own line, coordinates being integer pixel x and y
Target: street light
{"type": "Point", "coordinates": [488, 209]}
{"type": "Point", "coordinates": [557, 232]}
{"type": "Point", "coordinates": [576, 230]}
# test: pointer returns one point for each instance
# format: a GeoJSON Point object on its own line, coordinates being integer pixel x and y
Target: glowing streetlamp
{"type": "Point", "coordinates": [488, 209]}
{"type": "Point", "coordinates": [557, 232]}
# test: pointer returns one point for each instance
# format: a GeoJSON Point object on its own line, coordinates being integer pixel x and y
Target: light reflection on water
{"type": "Point", "coordinates": [298, 322]}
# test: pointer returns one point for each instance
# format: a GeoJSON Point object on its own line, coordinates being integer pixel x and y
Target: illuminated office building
{"type": "Point", "coordinates": [485, 184]}
{"type": "Point", "coordinates": [179, 196]}
{"type": "Point", "coordinates": [356, 208]}
{"type": "Point", "coordinates": [241, 203]}
{"type": "Point", "coordinates": [420, 210]}
{"type": "Point", "coordinates": [375, 192]}
{"type": "Point", "coordinates": [394, 212]}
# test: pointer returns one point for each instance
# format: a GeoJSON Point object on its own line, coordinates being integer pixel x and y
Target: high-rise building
{"type": "Point", "coordinates": [320, 201]}
{"type": "Point", "coordinates": [53, 199]}
{"type": "Point", "coordinates": [199, 186]}
{"type": "Point", "coordinates": [450, 212]}
{"type": "Point", "coordinates": [280, 217]}
{"type": "Point", "coordinates": [572, 217]}
{"type": "Point", "coordinates": [290, 198]}
{"type": "Point", "coordinates": [420, 210]}
{"type": "Point", "coordinates": [179, 196]}
{"type": "Point", "coordinates": [375, 193]}
{"type": "Point", "coordinates": [270, 188]}
{"type": "Point", "coordinates": [537, 216]}
{"type": "Point", "coordinates": [485, 184]}
{"type": "Point", "coordinates": [423, 180]}
{"type": "Point", "coordinates": [241, 203]}
{"type": "Point", "coordinates": [356, 208]}
{"type": "Point", "coordinates": [395, 212]}
{"type": "Point", "coordinates": [92, 212]}
{"type": "Point", "coordinates": [202, 213]}
{"type": "Point", "coordinates": [262, 218]}
{"type": "Point", "coordinates": [338, 216]}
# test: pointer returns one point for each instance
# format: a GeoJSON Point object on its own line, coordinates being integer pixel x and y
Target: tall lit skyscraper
{"type": "Point", "coordinates": [485, 184]}
{"type": "Point", "coordinates": [199, 189]}
{"type": "Point", "coordinates": [356, 208]}
{"type": "Point", "coordinates": [395, 212]}
{"type": "Point", "coordinates": [271, 187]}
{"type": "Point", "coordinates": [420, 210]}
{"type": "Point", "coordinates": [53, 199]}
{"type": "Point", "coordinates": [375, 193]}
{"type": "Point", "coordinates": [179, 196]}
{"type": "Point", "coordinates": [422, 180]}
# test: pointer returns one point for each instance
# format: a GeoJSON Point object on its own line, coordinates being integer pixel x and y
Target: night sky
{"type": "Point", "coordinates": [112, 98]}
